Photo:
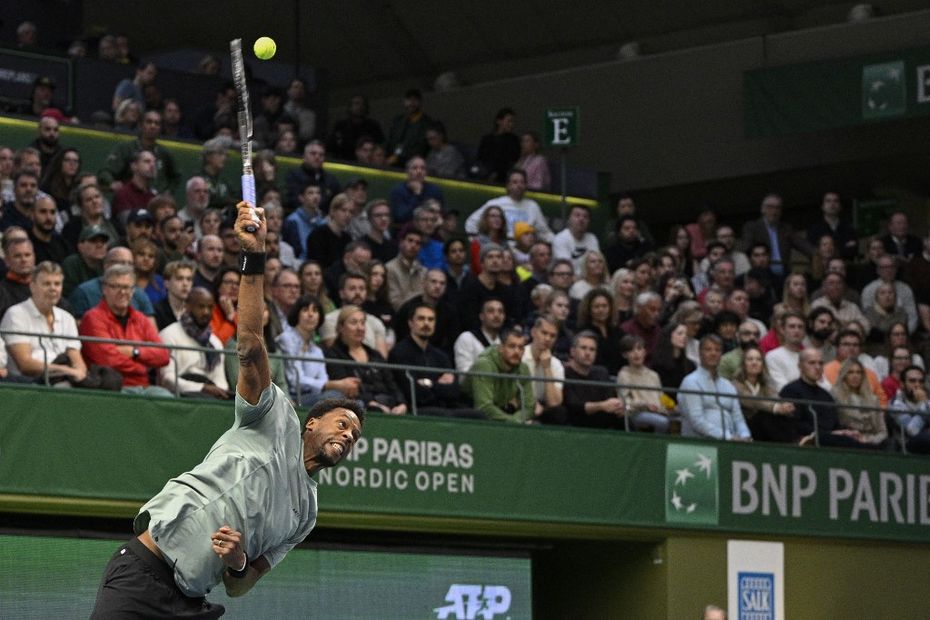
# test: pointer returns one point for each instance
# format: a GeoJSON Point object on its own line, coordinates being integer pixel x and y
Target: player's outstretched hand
{"type": "Point", "coordinates": [227, 543]}
{"type": "Point", "coordinates": [251, 241]}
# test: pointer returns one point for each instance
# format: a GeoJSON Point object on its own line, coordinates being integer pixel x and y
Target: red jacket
{"type": "Point", "coordinates": [100, 322]}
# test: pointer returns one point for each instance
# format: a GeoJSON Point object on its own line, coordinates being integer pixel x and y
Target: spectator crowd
{"type": "Point", "coordinates": [745, 323]}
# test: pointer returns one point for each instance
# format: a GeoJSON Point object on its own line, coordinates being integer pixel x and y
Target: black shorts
{"type": "Point", "coordinates": [139, 584]}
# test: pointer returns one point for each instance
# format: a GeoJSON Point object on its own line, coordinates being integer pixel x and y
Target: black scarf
{"type": "Point", "coordinates": [201, 335]}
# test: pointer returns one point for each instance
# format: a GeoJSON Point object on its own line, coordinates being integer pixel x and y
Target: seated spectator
{"type": "Point", "coordinates": [771, 226]}
{"type": "Point", "coordinates": [445, 325]}
{"type": "Point", "coordinates": [353, 291]}
{"type": "Point", "coordinates": [179, 279]}
{"type": "Point", "coordinates": [911, 410]}
{"type": "Point", "coordinates": [21, 261]}
{"type": "Point", "coordinates": [492, 229]}
{"type": "Point", "coordinates": [824, 252]}
{"type": "Point", "coordinates": [213, 161]}
{"type": "Point", "coordinates": [899, 243]}
{"type": "Point", "coordinates": [89, 294]}
{"type": "Point", "coordinates": [435, 392]}
{"type": "Point", "coordinates": [413, 192]}
{"type": "Point", "coordinates": [376, 303]}
{"type": "Point", "coordinates": [196, 199]}
{"type": "Point", "coordinates": [225, 292]}
{"type": "Point", "coordinates": [904, 297]}
{"type": "Point", "coordinates": [443, 159]}
{"type": "Point", "coordinates": [716, 413]}
{"type": "Point", "coordinates": [476, 289]}
{"type": "Point", "coordinates": [427, 219]}
{"type": "Point", "coordinates": [305, 219]}
{"type": "Point", "coordinates": [503, 400]}
{"type": "Point", "coordinates": [896, 337]}
{"type": "Point", "coordinates": [34, 356]}
{"type": "Point", "coordinates": [595, 314]}
{"type": "Point", "coordinates": [406, 137]}
{"type": "Point", "coordinates": [140, 224]}
{"type": "Point", "coordinates": [138, 190]}
{"type": "Point", "coordinates": [405, 272]}
{"type": "Point", "coordinates": [377, 388]}
{"type": "Point", "coordinates": [231, 245]}
{"type": "Point", "coordinates": [457, 269]}
{"type": "Point", "coordinates": [195, 374]}
{"type": "Point", "coordinates": [593, 275]}
{"type": "Point", "coordinates": [176, 241]}
{"type": "Point", "coordinates": [834, 288]}
{"type": "Point", "coordinates": [127, 116]}
{"type": "Point", "coordinates": [470, 344]}
{"type": "Point", "coordinates": [575, 240]}
{"type": "Point", "coordinates": [307, 379]}
{"type": "Point", "coordinates": [701, 232]}
{"type": "Point", "coordinates": [517, 208]}
{"type": "Point", "coordinates": [327, 242]}
{"type": "Point", "coordinates": [645, 322]}
{"type": "Point", "coordinates": [849, 344]}
{"type": "Point", "coordinates": [704, 278]}
{"type": "Point", "coordinates": [132, 89]}
{"type": "Point", "coordinates": [765, 418]}
{"type": "Point", "coordinates": [87, 263]}
{"type": "Point", "coordinates": [534, 164]}
{"type": "Point", "coordinates": [801, 427]}
{"type": "Point", "coordinates": [209, 259]}
{"type": "Point", "coordinates": [499, 151]}
{"type": "Point", "coordinates": [842, 232]}
{"type": "Point", "coordinates": [623, 286]}
{"type": "Point", "coordinates": [348, 132]}
{"type": "Point", "coordinates": [540, 362]}
{"type": "Point", "coordinates": [747, 337]}
{"type": "Point", "coordinates": [670, 359]}
{"type": "Point", "coordinates": [628, 245]}
{"type": "Point", "coordinates": [782, 362]}
{"type": "Point", "coordinates": [594, 406]}
{"type": "Point", "coordinates": [144, 253]}
{"type": "Point", "coordinates": [794, 295]}
{"type": "Point", "coordinates": [885, 313]}
{"type": "Point", "coordinates": [867, 271]}
{"type": "Point", "coordinates": [690, 315]}
{"type": "Point", "coordinates": [312, 283]}
{"type": "Point", "coordinates": [60, 178]}
{"type": "Point", "coordinates": [25, 191]}
{"type": "Point", "coordinates": [231, 356]}
{"type": "Point", "coordinates": [117, 169]}
{"type": "Point", "coordinates": [311, 172]}
{"type": "Point", "coordinates": [174, 126]}
{"type": "Point", "coordinates": [274, 219]}
{"type": "Point", "coordinates": [378, 235]}
{"type": "Point", "coordinates": [851, 389]}
{"type": "Point", "coordinates": [115, 318]}
{"type": "Point", "coordinates": [821, 327]}
{"type": "Point", "coordinates": [635, 380]}
{"type": "Point", "coordinates": [900, 359]}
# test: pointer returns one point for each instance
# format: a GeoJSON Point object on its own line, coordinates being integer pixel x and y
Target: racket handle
{"type": "Point", "coordinates": [248, 195]}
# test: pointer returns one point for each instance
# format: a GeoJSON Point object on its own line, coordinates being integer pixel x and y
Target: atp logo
{"type": "Point", "coordinates": [691, 484]}
{"type": "Point", "coordinates": [467, 602]}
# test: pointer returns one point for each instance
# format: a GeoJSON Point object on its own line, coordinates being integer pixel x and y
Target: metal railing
{"type": "Point", "coordinates": [409, 372]}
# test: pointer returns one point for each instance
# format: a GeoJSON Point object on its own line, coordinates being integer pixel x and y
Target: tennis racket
{"type": "Point", "coordinates": [245, 127]}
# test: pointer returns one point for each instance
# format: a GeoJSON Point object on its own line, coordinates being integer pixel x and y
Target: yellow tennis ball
{"type": "Point", "coordinates": [265, 47]}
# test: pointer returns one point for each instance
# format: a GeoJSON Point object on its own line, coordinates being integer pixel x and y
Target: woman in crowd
{"type": "Point", "coordinates": [508, 275]}
{"type": "Point", "coordinates": [377, 303]}
{"type": "Point", "coordinates": [286, 144]}
{"type": "Point", "coordinates": [533, 164]}
{"type": "Point", "coordinates": [231, 362]}
{"type": "Point", "coordinates": [144, 258]}
{"type": "Point", "coordinates": [665, 265]}
{"type": "Point", "coordinates": [670, 360]}
{"type": "Point", "coordinates": [593, 275]}
{"type": "Point", "coordinates": [311, 283]}
{"type": "Point", "coordinates": [60, 179]}
{"type": "Point", "coordinates": [794, 295]}
{"type": "Point", "coordinates": [674, 290]}
{"type": "Point", "coordinates": [492, 228]}
{"type": "Point", "coordinates": [210, 222]}
{"type": "Point", "coordinates": [768, 420]}
{"type": "Point", "coordinates": [643, 274]}
{"type": "Point", "coordinates": [851, 388]}
{"type": "Point", "coordinates": [825, 250]}
{"type": "Point", "coordinates": [376, 386]}
{"type": "Point", "coordinates": [702, 232]}
{"type": "Point", "coordinates": [443, 159]}
{"type": "Point", "coordinates": [895, 337]}
{"type": "Point", "coordinates": [624, 289]}
{"type": "Point", "coordinates": [596, 312]}
{"type": "Point", "coordinates": [689, 314]}
{"type": "Point", "coordinates": [900, 359]}
{"type": "Point", "coordinates": [226, 298]}
{"type": "Point", "coordinates": [558, 306]}
{"type": "Point", "coordinates": [127, 116]}
{"type": "Point", "coordinates": [265, 168]}
{"type": "Point", "coordinates": [883, 315]}
{"type": "Point", "coordinates": [680, 239]}
{"type": "Point", "coordinates": [307, 379]}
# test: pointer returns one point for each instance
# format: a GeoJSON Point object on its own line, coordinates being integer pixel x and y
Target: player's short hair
{"type": "Point", "coordinates": [327, 405]}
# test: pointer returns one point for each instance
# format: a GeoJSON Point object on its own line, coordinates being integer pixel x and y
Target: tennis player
{"type": "Point", "coordinates": [252, 499]}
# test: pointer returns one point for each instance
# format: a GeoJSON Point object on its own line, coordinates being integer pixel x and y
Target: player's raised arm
{"type": "Point", "coordinates": [254, 372]}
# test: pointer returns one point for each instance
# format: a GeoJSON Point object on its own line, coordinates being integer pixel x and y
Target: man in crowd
{"type": "Point", "coordinates": [47, 244]}
{"type": "Point", "coordinates": [179, 279]}
{"type": "Point", "coordinates": [507, 399]}
{"type": "Point", "coordinates": [842, 232]}
{"type": "Point", "coordinates": [355, 258]}
{"type": "Point", "coordinates": [311, 172]}
{"type": "Point", "coordinates": [727, 237]}
{"type": "Point", "coordinates": [378, 237]}
{"type": "Point", "coordinates": [516, 207]}
{"type": "Point", "coordinates": [541, 363]}
{"type": "Point", "coordinates": [887, 267]}
{"type": "Point", "coordinates": [457, 269]}
{"type": "Point", "coordinates": [405, 272]}
{"type": "Point", "coordinates": [899, 242]}
{"type": "Point", "coordinates": [138, 191]}
{"type": "Point", "coordinates": [575, 240]}
{"type": "Point", "coordinates": [195, 374]}
{"type": "Point", "coordinates": [305, 219]}
{"type": "Point", "coordinates": [470, 344]}
{"type": "Point", "coordinates": [87, 262]}
{"type": "Point", "coordinates": [19, 212]}
{"type": "Point", "coordinates": [476, 289]}
{"type": "Point", "coordinates": [413, 192]}
{"type": "Point", "coordinates": [778, 235]}
{"type": "Point", "coordinates": [47, 142]}
{"type": "Point", "coordinates": [353, 290]}
{"type": "Point", "coordinates": [782, 362]}
{"type": "Point", "coordinates": [209, 261]}
{"type": "Point", "coordinates": [446, 323]}
{"type": "Point", "coordinates": [115, 318]}
{"type": "Point", "coordinates": [596, 406]}
{"type": "Point", "coordinates": [821, 326]}
{"type": "Point", "coordinates": [747, 335]}
{"type": "Point", "coordinates": [117, 169]}
{"type": "Point", "coordinates": [911, 410]}
{"type": "Point", "coordinates": [213, 158]}
{"type": "Point", "coordinates": [716, 413]}
{"type": "Point", "coordinates": [285, 291]}
{"type": "Point", "coordinates": [436, 393]}
{"type": "Point", "coordinates": [33, 356]}
{"type": "Point", "coordinates": [849, 346]}
{"type": "Point", "coordinates": [134, 89]}
{"type": "Point", "coordinates": [196, 199]}
{"type": "Point", "coordinates": [327, 242]}
{"type": "Point", "coordinates": [87, 295]}
{"type": "Point", "coordinates": [406, 137]}
{"type": "Point", "coordinates": [834, 289]}
{"type": "Point", "coordinates": [21, 261]}
{"type": "Point", "coordinates": [645, 322]}
{"type": "Point", "coordinates": [628, 245]}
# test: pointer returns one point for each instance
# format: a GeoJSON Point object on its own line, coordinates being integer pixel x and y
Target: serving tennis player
{"type": "Point", "coordinates": [252, 499]}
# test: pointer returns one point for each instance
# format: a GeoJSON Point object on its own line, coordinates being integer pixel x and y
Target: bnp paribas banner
{"type": "Point", "coordinates": [123, 448]}
{"type": "Point", "coordinates": [837, 93]}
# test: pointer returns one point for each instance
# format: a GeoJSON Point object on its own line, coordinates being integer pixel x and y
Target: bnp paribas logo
{"type": "Point", "coordinates": [691, 484]}
{"type": "Point", "coordinates": [884, 90]}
